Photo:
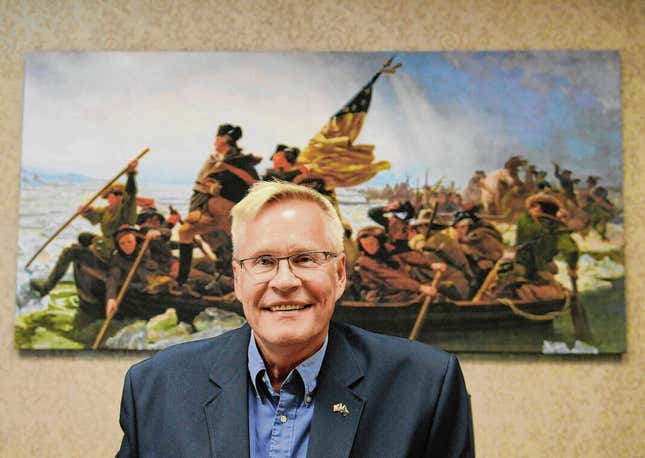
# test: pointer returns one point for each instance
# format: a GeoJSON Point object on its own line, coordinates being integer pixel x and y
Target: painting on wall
{"type": "Point", "coordinates": [481, 192]}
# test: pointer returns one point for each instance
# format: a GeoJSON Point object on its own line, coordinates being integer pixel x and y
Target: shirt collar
{"type": "Point", "coordinates": [308, 369]}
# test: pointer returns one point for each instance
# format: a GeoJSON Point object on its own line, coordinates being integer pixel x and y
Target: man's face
{"type": "Point", "coordinates": [283, 229]}
{"type": "Point", "coordinates": [114, 199]}
{"type": "Point", "coordinates": [221, 143]}
{"type": "Point", "coordinates": [280, 161]}
{"type": "Point", "coordinates": [128, 243]}
{"type": "Point", "coordinates": [462, 230]}
{"type": "Point", "coordinates": [535, 210]}
{"type": "Point", "coordinates": [397, 229]}
{"type": "Point", "coordinates": [416, 230]}
{"type": "Point", "coordinates": [370, 244]}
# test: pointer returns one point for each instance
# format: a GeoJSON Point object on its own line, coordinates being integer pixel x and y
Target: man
{"type": "Point", "coordinates": [284, 165]}
{"type": "Point", "coordinates": [151, 221]}
{"type": "Point", "coordinates": [94, 250]}
{"type": "Point", "coordinates": [597, 206]}
{"type": "Point", "coordinates": [149, 276]}
{"type": "Point", "coordinates": [395, 225]}
{"type": "Point", "coordinates": [223, 181]}
{"type": "Point", "coordinates": [290, 383]}
{"type": "Point", "coordinates": [567, 182]}
{"type": "Point", "coordinates": [481, 242]}
{"type": "Point", "coordinates": [541, 235]}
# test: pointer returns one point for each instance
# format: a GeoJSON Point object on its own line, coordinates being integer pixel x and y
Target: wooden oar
{"type": "Point", "coordinates": [488, 281]}
{"type": "Point", "coordinates": [424, 308]}
{"type": "Point", "coordinates": [579, 314]}
{"type": "Point", "coordinates": [89, 202]}
{"type": "Point", "coordinates": [122, 291]}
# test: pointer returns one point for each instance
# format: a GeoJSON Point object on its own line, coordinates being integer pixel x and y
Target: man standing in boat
{"type": "Point", "coordinates": [481, 242]}
{"type": "Point", "coordinates": [541, 235]}
{"type": "Point", "coordinates": [567, 182]}
{"type": "Point", "coordinates": [94, 250]}
{"type": "Point", "coordinates": [222, 181]}
{"type": "Point", "coordinates": [151, 221]}
{"type": "Point", "coordinates": [284, 165]}
{"type": "Point", "coordinates": [597, 206]}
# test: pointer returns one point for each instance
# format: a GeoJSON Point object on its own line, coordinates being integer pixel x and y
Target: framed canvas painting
{"type": "Point", "coordinates": [481, 192]}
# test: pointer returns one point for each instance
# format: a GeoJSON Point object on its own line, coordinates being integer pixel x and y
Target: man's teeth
{"type": "Point", "coordinates": [286, 307]}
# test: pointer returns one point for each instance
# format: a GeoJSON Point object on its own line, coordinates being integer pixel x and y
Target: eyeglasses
{"type": "Point", "coordinates": [301, 264]}
{"type": "Point", "coordinates": [117, 193]}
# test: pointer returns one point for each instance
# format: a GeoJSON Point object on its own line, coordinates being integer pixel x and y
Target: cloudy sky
{"type": "Point", "coordinates": [449, 113]}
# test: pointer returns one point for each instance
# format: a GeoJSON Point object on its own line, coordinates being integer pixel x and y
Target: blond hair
{"type": "Point", "coordinates": [265, 193]}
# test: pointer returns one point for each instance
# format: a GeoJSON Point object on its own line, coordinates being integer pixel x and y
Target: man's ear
{"type": "Point", "coordinates": [236, 278]}
{"type": "Point", "coordinates": [341, 275]}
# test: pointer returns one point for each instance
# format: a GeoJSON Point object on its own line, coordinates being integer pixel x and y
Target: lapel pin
{"type": "Point", "coordinates": [341, 409]}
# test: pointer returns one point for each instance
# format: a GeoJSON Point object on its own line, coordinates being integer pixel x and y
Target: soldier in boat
{"type": "Point", "coordinates": [439, 244]}
{"type": "Point", "coordinates": [94, 250]}
{"type": "Point", "coordinates": [418, 229]}
{"type": "Point", "coordinates": [481, 242]}
{"type": "Point", "coordinates": [151, 221]}
{"type": "Point", "coordinates": [150, 277]}
{"type": "Point", "coordinates": [567, 182]}
{"type": "Point", "coordinates": [223, 181]}
{"type": "Point", "coordinates": [541, 235]}
{"type": "Point", "coordinates": [598, 207]}
{"type": "Point", "coordinates": [396, 226]}
{"type": "Point", "coordinates": [402, 276]}
{"type": "Point", "coordinates": [284, 165]}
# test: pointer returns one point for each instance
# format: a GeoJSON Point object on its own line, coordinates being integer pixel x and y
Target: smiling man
{"type": "Point", "coordinates": [292, 383]}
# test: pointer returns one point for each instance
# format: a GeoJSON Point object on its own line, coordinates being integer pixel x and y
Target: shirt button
{"type": "Point", "coordinates": [283, 419]}
{"type": "Point", "coordinates": [308, 399]}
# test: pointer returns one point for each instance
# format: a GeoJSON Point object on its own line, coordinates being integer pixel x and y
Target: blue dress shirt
{"type": "Point", "coordinates": [279, 423]}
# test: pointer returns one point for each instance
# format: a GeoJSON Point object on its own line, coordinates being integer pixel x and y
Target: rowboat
{"type": "Point", "coordinates": [90, 287]}
{"type": "Point", "coordinates": [395, 318]}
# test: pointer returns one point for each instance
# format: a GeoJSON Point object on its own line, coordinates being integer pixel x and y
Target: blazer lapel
{"type": "Point", "coordinates": [227, 414]}
{"type": "Point", "coordinates": [333, 428]}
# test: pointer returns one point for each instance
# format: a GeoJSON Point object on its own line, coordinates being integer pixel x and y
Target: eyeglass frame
{"type": "Point", "coordinates": [328, 254]}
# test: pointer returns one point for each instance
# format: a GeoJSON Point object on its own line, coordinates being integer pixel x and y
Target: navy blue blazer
{"type": "Point", "coordinates": [405, 399]}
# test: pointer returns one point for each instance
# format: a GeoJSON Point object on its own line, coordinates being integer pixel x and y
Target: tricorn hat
{"type": "Point", "coordinates": [290, 152]}
{"type": "Point", "coordinates": [235, 132]}
{"type": "Point", "coordinates": [463, 216]}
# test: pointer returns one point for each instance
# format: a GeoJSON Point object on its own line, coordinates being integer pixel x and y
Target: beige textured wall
{"type": "Point", "coordinates": [57, 404]}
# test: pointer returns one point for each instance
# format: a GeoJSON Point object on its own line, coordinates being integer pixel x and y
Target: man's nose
{"type": "Point", "coordinates": [284, 278]}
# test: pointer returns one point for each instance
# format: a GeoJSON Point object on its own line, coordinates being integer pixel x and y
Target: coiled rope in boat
{"type": "Point", "coordinates": [533, 317]}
